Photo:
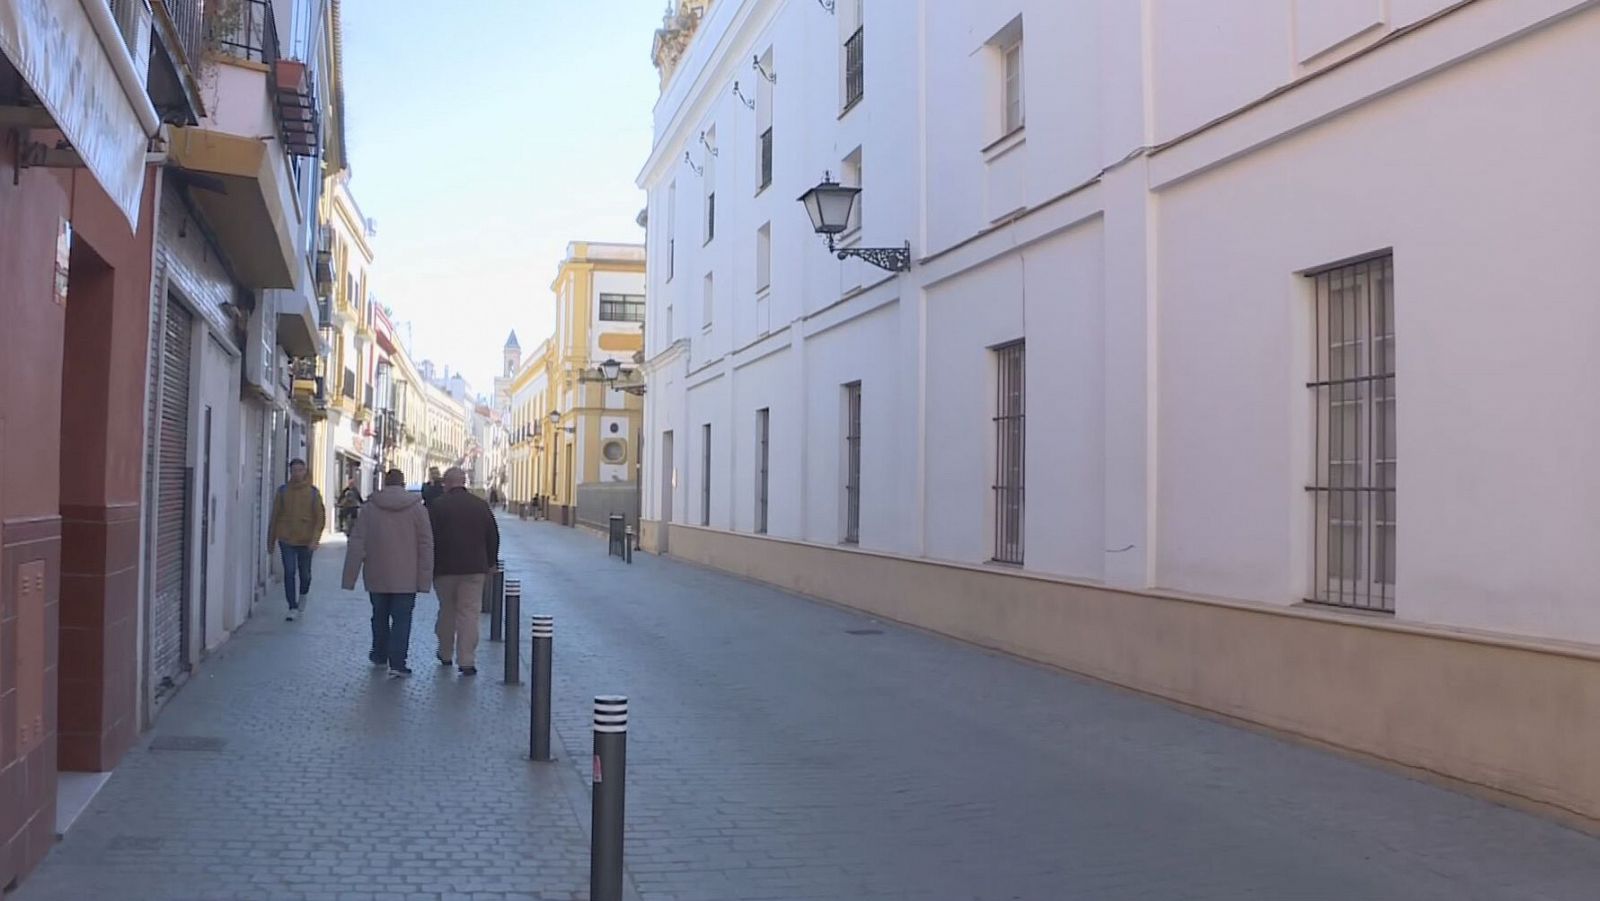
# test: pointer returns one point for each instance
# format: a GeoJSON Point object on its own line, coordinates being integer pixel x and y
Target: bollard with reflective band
{"type": "Point", "coordinates": [497, 602]}
{"type": "Point", "coordinates": [610, 779]}
{"type": "Point", "coordinates": [544, 633]}
{"type": "Point", "coordinates": [513, 633]}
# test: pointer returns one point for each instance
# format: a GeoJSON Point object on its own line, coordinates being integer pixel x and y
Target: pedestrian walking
{"type": "Point", "coordinates": [349, 505]}
{"type": "Point", "coordinates": [296, 526]}
{"type": "Point", "coordinates": [465, 547]}
{"type": "Point", "coordinates": [392, 549]}
{"type": "Point", "coordinates": [434, 487]}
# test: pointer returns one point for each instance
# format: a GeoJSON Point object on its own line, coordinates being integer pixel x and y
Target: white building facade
{"type": "Point", "coordinates": [1201, 378]}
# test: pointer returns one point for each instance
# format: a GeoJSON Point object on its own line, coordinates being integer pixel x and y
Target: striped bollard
{"type": "Point", "coordinates": [544, 633]}
{"type": "Point", "coordinates": [610, 780]}
{"type": "Point", "coordinates": [512, 632]}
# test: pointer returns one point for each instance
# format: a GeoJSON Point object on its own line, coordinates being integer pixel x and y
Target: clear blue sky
{"type": "Point", "coordinates": [484, 135]}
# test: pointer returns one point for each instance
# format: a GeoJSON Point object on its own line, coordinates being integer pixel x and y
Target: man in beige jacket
{"type": "Point", "coordinates": [392, 548]}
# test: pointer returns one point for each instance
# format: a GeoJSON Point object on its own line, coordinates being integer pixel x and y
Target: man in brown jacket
{"type": "Point", "coordinates": [392, 548]}
{"type": "Point", "coordinates": [465, 547]}
{"type": "Point", "coordinates": [296, 528]}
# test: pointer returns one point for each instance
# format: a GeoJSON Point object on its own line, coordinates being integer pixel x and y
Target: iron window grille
{"type": "Point", "coordinates": [852, 446]}
{"type": "Point", "coordinates": [1353, 495]}
{"type": "Point", "coordinates": [621, 308]}
{"type": "Point", "coordinates": [763, 418]}
{"type": "Point", "coordinates": [253, 35]}
{"type": "Point", "coordinates": [705, 474]}
{"type": "Point", "coordinates": [766, 157]}
{"type": "Point", "coordinates": [348, 388]}
{"type": "Point", "coordinates": [854, 69]}
{"type": "Point", "coordinates": [1010, 451]}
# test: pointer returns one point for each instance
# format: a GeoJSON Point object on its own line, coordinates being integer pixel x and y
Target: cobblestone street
{"type": "Point", "coordinates": [778, 749]}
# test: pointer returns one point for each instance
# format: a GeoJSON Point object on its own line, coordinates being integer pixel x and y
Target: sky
{"type": "Point", "coordinates": [484, 135]}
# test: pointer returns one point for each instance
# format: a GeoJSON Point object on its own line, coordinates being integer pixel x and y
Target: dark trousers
{"type": "Point", "coordinates": [391, 627]}
{"type": "Point", "coordinates": [296, 557]}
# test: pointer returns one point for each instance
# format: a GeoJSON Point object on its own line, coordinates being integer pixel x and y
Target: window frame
{"type": "Point", "coordinates": [763, 469]}
{"type": "Point", "coordinates": [632, 303]}
{"type": "Point", "coordinates": [1010, 452]}
{"type": "Point", "coordinates": [705, 474]}
{"type": "Point", "coordinates": [1352, 486]}
{"type": "Point", "coordinates": [1012, 93]}
{"type": "Point", "coordinates": [852, 453]}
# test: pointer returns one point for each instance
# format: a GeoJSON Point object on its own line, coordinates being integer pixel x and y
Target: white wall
{"type": "Point", "coordinates": [1494, 319]}
{"type": "Point", "coordinates": [1155, 282]}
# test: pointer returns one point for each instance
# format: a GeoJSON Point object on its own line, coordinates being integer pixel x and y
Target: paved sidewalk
{"type": "Point", "coordinates": [778, 749]}
{"type": "Point", "coordinates": [333, 781]}
{"type": "Point", "coordinates": [775, 753]}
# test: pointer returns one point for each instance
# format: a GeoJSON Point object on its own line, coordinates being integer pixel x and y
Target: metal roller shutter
{"type": "Point", "coordinates": [169, 607]}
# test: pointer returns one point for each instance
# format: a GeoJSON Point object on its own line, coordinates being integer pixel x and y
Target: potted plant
{"type": "Point", "coordinates": [290, 75]}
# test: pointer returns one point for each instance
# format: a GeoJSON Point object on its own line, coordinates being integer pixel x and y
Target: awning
{"type": "Point", "coordinates": [88, 85]}
{"type": "Point", "coordinates": [244, 201]}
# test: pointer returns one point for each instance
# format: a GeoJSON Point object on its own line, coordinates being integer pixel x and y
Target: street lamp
{"type": "Point", "coordinates": [830, 204]}
{"type": "Point", "coordinates": [610, 369]}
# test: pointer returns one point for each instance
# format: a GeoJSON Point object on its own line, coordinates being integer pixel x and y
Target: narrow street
{"type": "Point", "coordinates": [779, 749]}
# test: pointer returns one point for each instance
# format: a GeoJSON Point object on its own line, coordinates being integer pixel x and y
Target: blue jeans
{"type": "Point", "coordinates": [295, 557]}
{"type": "Point", "coordinates": [391, 628]}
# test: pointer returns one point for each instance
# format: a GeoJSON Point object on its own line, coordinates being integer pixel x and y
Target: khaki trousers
{"type": "Point", "coordinates": [460, 604]}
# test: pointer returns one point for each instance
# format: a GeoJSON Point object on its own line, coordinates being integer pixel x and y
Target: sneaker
{"type": "Point", "coordinates": [469, 671]}
{"type": "Point", "coordinates": [399, 672]}
{"type": "Point", "coordinates": [290, 617]}
{"type": "Point", "coordinates": [445, 661]}
{"type": "Point", "coordinates": [378, 659]}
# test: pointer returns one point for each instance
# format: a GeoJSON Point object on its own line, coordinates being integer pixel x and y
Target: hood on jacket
{"type": "Point", "coordinates": [395, 497]}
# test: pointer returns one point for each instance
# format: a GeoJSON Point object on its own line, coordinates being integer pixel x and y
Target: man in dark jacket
{"type": "Point", "coordinates": [466, 544]}
{"type": "Point", "coordinates": [433, 488]}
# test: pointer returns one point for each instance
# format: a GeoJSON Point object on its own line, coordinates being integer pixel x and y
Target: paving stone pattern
{"type": "Point", "coordinates": [774, 753]}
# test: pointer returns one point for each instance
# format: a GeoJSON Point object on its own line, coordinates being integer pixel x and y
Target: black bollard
{"type": "Point", "coordinates": [497, 602]}
{"type": "Point", "coordinates": [610, 781]}
{"type": "Point", "coordinates": [544, 633]}
{"type": "Point", "coordinates": [627, 545]}
{"type": "Point", "coordinates": [614, 535]}
{"type": "Point", "coordinates": [513, 633]}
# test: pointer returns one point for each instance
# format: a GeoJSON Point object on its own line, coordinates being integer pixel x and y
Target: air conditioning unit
{"type": "Point", "coordinates": [260, 351]}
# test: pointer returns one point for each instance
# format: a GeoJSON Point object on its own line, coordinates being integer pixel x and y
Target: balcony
{"type": "Point", "coordinates": [247, 32]}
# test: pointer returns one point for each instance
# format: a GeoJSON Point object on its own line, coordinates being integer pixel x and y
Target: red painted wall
{"type": "Point", "coordinates": [68, 549]}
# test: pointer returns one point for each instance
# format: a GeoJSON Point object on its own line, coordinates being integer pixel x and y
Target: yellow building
{"type": "Point", "coordinates": [574, 435]}
{"type": "Point", "coordinates": [345, 442]}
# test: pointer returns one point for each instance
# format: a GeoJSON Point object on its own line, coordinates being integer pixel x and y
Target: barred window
{"type": "Point", "coordinates": [1353, 496]}
{"type": "Point", "coordinates": [1009, 451]}
{"type": "Point", "coordinates": [763, 453]}
{"type": "Point", "coordinates": [705, 474]}
{"type": "Point", "coordinates": [621, 307]}
{"type": "Point", "coordinates": [852, 450]}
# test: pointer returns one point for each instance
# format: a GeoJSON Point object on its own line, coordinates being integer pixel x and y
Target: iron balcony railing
{"type": "Point", "coordinates": [854, 69]}
{"type": "Point", "coordinates": [188, 24]}
{"type": "Point", "coordinates": [245, 30]}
